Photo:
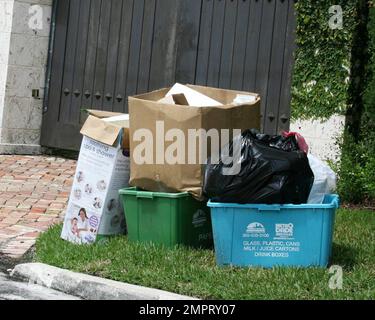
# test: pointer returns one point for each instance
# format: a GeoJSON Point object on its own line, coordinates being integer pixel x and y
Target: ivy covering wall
{"type": "Point", "coordinates": [357, 169]}
{"type": "Point", "coordinates": [321, 76]}
{"type": "Point", "coordinates": [334, 73]}
{"type": "Point", "coordinates": [367, 130]}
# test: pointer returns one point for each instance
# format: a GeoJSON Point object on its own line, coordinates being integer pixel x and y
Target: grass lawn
{"type": "Point", "coordinates": [194, 272]}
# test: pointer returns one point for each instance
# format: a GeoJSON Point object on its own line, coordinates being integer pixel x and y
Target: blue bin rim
{"type": "Point", "coordinates": [331, 201]}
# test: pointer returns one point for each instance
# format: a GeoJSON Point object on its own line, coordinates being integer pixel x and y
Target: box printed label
{"type": "Point", "coordinates": [255, 230]}
{"type": "Point", "coordinates": [81, 225]}
{"type": "Point", "coordinates": [94, 202]}
{"type": "Point", "coordinates": [199, 219]}
{"type": "Point", "coordinates": [284, 231]}
{"type": "Point", "coordinates": [280, 246]}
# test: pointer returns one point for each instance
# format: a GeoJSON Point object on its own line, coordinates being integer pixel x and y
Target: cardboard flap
{"type": "Point", "coordinates": [201, 97]}
{"type": "Point", "coordinates": [167, 100]}
{"type": "Point", "coordinates": [193, 98]}
{"type": "Point", "coordinates": [178, 99]}
{"type": "Point", "coordinates": [225, 96]}
{"type": "Point", "coordinates": [101, 131]}
{"type": "Point", "coordinates": [103, 114]}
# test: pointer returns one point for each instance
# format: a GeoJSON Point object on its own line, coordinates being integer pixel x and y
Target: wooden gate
{"type": "Point", "coordinates": [105, 50]}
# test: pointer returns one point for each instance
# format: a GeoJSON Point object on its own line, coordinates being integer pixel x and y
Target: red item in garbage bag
{"type": "Point", "coordinates": [302, 144]}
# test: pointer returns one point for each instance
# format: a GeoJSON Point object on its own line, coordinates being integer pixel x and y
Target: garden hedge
{"type": "Point", "coordinates": [334, 73]}
{"type": "Point", "coordinates": [321, 76]}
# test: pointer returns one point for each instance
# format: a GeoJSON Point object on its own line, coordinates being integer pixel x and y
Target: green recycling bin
{"type": "Point", "coordinates": [169, 219]}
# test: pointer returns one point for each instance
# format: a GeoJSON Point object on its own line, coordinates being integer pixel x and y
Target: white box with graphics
{"type": "Point", "coordinates": [103, 168]}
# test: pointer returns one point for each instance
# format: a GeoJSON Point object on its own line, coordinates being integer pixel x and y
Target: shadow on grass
{"type": "Point", "coordinates": [343, 256]}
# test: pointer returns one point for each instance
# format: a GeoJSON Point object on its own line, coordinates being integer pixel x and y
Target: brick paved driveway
{"type": "Point", "coordinates": [34, 191]}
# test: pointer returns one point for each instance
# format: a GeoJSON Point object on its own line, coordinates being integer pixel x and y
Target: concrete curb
{"type": "Point", "coordinates": [88, 287]}
{"type": "Point", "coordinates": [14, 291]}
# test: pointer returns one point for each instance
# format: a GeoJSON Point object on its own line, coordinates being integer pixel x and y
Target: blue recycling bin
{"type": "Point", "coordinates": [274, 235]}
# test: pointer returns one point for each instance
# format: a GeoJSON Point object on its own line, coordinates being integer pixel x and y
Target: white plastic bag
{"type": "Point", "coordinates": [324, 182]}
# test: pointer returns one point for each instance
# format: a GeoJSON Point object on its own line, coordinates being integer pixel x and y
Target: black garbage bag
{"type": "Point", "coordinates": [272, 171]}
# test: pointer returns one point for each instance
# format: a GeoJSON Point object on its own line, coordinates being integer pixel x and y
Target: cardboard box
{"type": "Point", "coordinates": [147, 112]}
{"type": "Point", "coordinates": [103, 167]}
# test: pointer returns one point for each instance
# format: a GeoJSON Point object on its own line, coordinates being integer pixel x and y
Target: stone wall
{"type": "Point", "coordinates": [6, 9]}
{"type": "Point", "coordinates": [24, 36]}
